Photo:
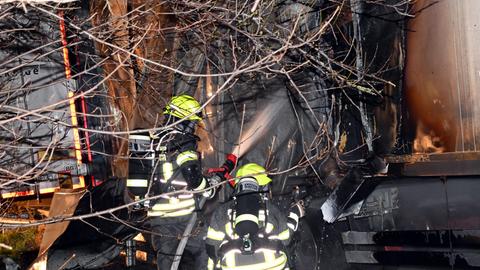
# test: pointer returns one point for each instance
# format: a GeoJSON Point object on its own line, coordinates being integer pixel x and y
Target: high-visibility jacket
{"type": "Point", "coordinates": [274, 228]}
{"type": "Point", "coordinates": [173, 164]}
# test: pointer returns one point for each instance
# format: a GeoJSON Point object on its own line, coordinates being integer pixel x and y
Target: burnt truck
{"type": "Point", "coordinates": [419, 211]}
{"type": "Point", "coordinates": [397, 183]}
{"type": "Point", "coordinates": [46, 117]}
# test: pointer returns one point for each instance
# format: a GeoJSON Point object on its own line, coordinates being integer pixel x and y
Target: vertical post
{"type": "Point", "coordinates": [356, 7]}
{"type": "Point", "coordinates": [71, 97]}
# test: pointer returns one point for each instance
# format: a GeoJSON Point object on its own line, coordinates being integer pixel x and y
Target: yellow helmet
{"type": "Point", "coordinates": [182, 106]}
{"type": "Point", "coordinates": [254, 170]}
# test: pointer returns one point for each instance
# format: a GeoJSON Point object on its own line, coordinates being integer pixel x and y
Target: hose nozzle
{"type": "Point", "coordinates": [227, 167]}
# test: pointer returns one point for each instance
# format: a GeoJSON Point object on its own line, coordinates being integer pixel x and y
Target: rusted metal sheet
{"type": "Point", "coordinates": [63, 204]}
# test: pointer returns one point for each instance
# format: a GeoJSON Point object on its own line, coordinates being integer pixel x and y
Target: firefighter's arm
{"type": "Point", "coordinates": [287, 226]}
{"type": "Point", "coordinates": [190, 166]}
{"type": "Point", "coordinates": [297, 211]}
{"type": "Point", "coordinates": [191, 169]}
{"type": "Point", "coordinates": [281, 230]}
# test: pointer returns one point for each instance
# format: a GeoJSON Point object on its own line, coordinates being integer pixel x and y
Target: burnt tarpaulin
{"type": "Point", "coordinates": [271, 118]}
{"type": "Point", "coordinates": [377, 31]}
{"type": "Point", "coordinates": [381, 30]}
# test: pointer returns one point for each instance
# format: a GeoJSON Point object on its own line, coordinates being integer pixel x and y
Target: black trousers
{"type": "Point", "coordinates": [167, 236]}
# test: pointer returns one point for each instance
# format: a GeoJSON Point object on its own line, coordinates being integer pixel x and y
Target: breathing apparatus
{"type": "Point", "coordinates": [249, 197]}
{"type": "Point", "coordinates": [247, 206]}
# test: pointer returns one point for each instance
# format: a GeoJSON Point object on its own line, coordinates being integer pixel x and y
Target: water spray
{"type": "Point", "coordinates": [257, 129]}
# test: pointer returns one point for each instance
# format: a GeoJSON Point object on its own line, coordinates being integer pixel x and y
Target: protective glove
{"type": "Point", "coordinates": [298, 208]}
{"type": "Point", "coordinates": [227, 167]}
{"type": "Point", "coordinates": [211, 181]}
{"type": "Point", "coordinates": [297, 211]}
{"type": "Point", "coordinates": [299, 193]}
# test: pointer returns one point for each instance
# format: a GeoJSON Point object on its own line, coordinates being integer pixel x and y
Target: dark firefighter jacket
{"type": "Point", "coordinates": [274, 236]}
{"type": "Point", "coordinates": [173, 164]}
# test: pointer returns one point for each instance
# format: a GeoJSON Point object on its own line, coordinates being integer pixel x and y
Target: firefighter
{"type": "Point", "coordinates": [249, 232]}
{"type": "Point", "coordinates": [167, 162]}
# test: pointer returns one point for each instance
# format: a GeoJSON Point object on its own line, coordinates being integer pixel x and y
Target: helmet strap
{"type": "Point", "coordinates": [187, 126]}
{"type": "Point", "coordinates": [170, 119]}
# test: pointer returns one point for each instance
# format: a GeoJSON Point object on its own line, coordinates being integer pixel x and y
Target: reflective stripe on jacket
{"type": "Point", "coordinates": [261, 259]}
{"type": "Point", "coordinates": [178, 204]}
{"type": "Point", "coordinates": [140, 164]}
{"type": "Point", "coordinates": [273, 226]}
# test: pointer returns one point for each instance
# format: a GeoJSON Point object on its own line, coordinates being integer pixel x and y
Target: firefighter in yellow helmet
{"type": "Point", "coordinates": [249, 232]}
{"type": "Point", "coordinates": [166, 162]}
